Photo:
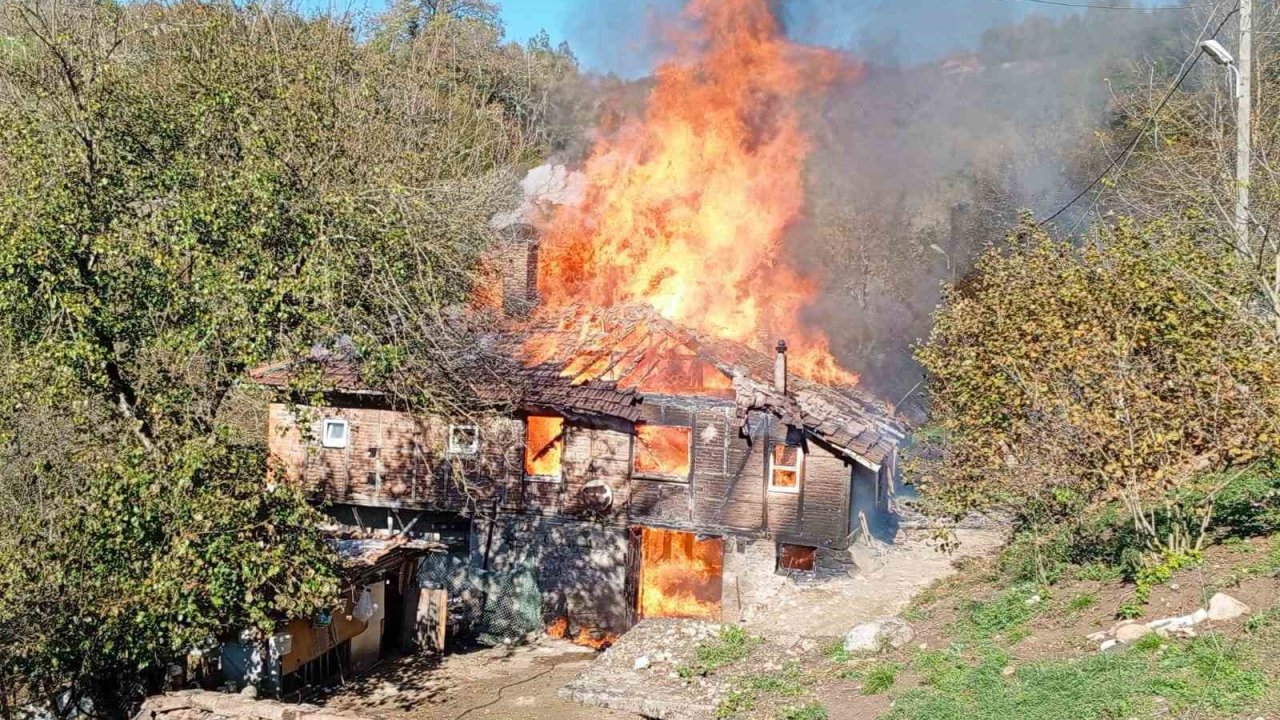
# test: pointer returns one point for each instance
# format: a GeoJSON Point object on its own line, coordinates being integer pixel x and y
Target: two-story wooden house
{"type": "Point", "coordinates": [643, 471]}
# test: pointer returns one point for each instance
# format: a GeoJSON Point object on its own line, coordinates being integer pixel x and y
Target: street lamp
{"type": "Point", "coordinates": [1220, 55]}
{"type": "Point", "coordinates": [1223, 57]}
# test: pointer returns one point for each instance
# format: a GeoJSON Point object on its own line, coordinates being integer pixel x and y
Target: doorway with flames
{"type": "Point", "coordinates": [674, 574]}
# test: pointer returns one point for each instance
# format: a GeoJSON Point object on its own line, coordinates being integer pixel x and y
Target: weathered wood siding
{"type": "Point", "coordinates": [393, 458]}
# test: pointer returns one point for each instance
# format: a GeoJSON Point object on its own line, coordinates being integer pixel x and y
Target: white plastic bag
{"type": "Point", "coordinates": [364, 607]}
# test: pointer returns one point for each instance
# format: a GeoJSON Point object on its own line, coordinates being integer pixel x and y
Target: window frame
{"type": "Point", "coordinates": [459, 451]}
{"type": "Point", "coordinates": [325, 442]}
{"type": "Point", "coordinates": [524, 458]}
{"type": "Point", "coordinates": [635, 447]}
{"type": "Point", "coordinates": [770, 466]}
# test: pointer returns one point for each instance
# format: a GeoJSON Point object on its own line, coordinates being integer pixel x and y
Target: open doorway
{"type": "Point", "coordinates": [679, 575]}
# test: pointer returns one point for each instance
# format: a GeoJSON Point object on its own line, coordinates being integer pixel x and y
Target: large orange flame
{"type": "Point", "coordinates": [680, 576]}
{"type": "Point", "coordinates": [686, 207]}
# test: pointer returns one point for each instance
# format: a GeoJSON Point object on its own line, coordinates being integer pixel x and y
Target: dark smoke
{"type": "Point", "coordinates": [968, 111]}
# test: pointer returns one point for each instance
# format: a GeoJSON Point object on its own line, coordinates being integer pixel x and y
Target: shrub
{"type": "Point", "coordinates": [1063, 377]}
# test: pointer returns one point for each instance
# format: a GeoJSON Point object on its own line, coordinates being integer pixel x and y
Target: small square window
{"type": "Point", "coordinates": [796, 557]}
{"type": "Point", "coordinates": [464, 440]}
{"type": "Point", "coordinates": [786, 467]}
{"type": "Point", "coordinates": [662, 451]}
{"type": "Point", "coordinates": [334, 433]}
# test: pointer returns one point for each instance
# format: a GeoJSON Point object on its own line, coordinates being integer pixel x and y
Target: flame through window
{"type": "Point", "coordinates": [544, 443]}
{"type": "Point", "coordinates": [786, 464]}
{"type": "Point", "coordinates": [662, 451]}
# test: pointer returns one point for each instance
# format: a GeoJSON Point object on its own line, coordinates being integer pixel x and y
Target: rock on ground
{"type": "Point", "coordinates": [1130, 632]}
{"type": "Point", "coordinates": [877, 635]}
{"type": "Point", "coordinates": [639, 673]}
{"type": "Point", "coordinates": [1224, 607]}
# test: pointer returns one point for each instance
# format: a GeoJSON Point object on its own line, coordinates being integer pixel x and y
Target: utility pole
{"type": "Point", "coordinates": [1244, 122]}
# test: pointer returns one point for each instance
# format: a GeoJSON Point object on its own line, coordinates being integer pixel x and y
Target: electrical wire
{"type": "Point", "coordinates": [1188, 65]}
{"type": "Point", "coordinates": [1129, 8]}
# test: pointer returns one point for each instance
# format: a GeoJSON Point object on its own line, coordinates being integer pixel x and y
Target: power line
{"type": "Point", "coordinates": [1192, 60]}
{"type": "Point", "coordinates": [1130, 8]}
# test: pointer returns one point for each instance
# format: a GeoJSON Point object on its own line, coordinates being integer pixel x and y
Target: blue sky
{"type": "Point", "coordinates": [524, 18]}
{"type": "Point", "coordinates": [610, 35]}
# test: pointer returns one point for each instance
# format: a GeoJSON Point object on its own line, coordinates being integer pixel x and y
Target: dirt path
{"type": "Point", "coordinates": [886, 586]}
{"type": "Point", "coordinates": [490, 683]}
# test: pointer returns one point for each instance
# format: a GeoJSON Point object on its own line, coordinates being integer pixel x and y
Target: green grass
{"type": "Point", "coordinates": [836, 653]}
{"type": "Point", "coordinates": [1263, 619]}
{"type": "Point", "coordinates": [1082, 602]}
{"type": "Point", "coordinates": [1007, 614]}
{"type": "Point", "coordinates": [1099, 572]}
{"type": "Point", "coordinates": [915, 614]}
{"type": "Point", "coordinates": [880, 678]}
{"type": "Point", "coordinates": [1201, 676]}
{"type": "Point", "coordinates": [808, 711]}
{"type": "Point", "coordinates": [788, 683]}
{"type": "Point", "coordinates": [1270, 565]}
{"type": "Point", "coordinates": [731, 645]}
{"type": "Point", "coordinates": [735, 703]}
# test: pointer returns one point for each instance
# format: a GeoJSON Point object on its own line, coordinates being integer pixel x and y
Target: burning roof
{"type": "Point", "coordinates": [604, 361]}
{"type": "Point", "coordinates": [632, 348]}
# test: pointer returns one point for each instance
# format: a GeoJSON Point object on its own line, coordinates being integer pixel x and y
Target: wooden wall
{"type": "Point", "coordinates": [394, 459]}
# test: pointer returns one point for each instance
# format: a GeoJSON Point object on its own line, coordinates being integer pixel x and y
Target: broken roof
{"type": "Point", "coordinates": [365, 554]}
{"type": "Point", "coordinates": [604, 361]}
{"type": "Point", "coordinates": [632, 347]}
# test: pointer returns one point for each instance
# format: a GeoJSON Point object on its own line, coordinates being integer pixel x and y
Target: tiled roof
{"type": "Point", "coordinates": [331, 371]}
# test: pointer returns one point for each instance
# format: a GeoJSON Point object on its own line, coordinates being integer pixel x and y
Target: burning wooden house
{"type": "Point", "coordinates": [652, 461]}
{"type": "Point", "coordinates": [644, 470]}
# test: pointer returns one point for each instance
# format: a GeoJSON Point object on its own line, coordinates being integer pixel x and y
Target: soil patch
{"type": "Point", "coordinates": [501, 682]}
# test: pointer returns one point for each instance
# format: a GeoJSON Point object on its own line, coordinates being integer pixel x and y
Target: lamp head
{"type": "Point", "coordinates": [1219, 54]}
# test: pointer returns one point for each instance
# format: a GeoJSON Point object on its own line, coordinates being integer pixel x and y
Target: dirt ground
{"type": "Point", "coordinates": [883, 587]}
{"type": "Point", "coordinates": [519, 682]}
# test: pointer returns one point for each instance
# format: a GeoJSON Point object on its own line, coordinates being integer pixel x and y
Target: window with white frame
{"type": "Point", "coordinates": [334, 433]}
{"type": "Point", "coordinates": [786, 466]}
{"type": "Point", "coordinates": [464, 440]}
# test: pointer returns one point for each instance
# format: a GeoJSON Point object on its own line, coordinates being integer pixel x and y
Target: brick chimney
{"type": "Point", "coordinates": [780, 368]}
{"type": "Point", "coordinates": [518, 264]}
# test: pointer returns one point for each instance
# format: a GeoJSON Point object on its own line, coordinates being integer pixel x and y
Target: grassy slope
{"type": "Point", "coordinates": [986, 650]}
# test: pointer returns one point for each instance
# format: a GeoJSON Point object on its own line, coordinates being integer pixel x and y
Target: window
{"type": "Point", "coordinates": [662, 451]}
{"type": "Point", "coordinates": [796, 557]}
{"type": "Point", "coordinates": [334, 433]}
{"type": "Point", "coordinates": [464, 440]}
{"type": "Point", "coordinates": [543, 445]}
{"type": "Point", "coordinates": [786, 467]}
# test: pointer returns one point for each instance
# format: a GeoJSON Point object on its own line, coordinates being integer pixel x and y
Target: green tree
{"type": "Point", "coordinates": [187, 190]}
{"type": "Point", "coordinates": [1063, 376]}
